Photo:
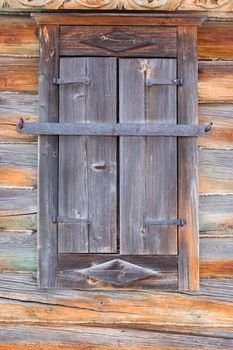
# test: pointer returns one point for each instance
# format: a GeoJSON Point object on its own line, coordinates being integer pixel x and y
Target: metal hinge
{"type": "Point", "coordinates": [168, 222]}
{"type": "Point", "coordinates": [150, 82]}
{"type": "Point", "coordinates": [69, 220]}
{"type": "Point", "coordinates": [81, 80]}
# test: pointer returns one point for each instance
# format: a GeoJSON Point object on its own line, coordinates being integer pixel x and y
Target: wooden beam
{"type": "Point", "coordinates": [152, 19]}
{"type": "Point", "coordinates": [188, 155]}
{"type": "Point", "coordinates": [48, 158]}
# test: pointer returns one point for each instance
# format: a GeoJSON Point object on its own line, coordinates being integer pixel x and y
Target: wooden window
{"type": "Point", "coordinates": [118, 196]}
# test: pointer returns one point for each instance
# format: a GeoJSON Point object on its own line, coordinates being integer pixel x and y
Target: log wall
{"type": "Point", "coordinates": [35, 319]}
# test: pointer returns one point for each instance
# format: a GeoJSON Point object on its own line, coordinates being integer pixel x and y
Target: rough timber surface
{"type": "Point", "coordinates": [36, 319]}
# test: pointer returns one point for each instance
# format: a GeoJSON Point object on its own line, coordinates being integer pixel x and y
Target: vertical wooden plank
{"type": "Point", "coordinates": [148, 165]}
{"type": "Point", "coordinates": [161, 160]}
{"type": "Point", "coordinates": [101, 106]}
{"type": "Point", "coordinates": [48, 158]}
{"type": "Point", "coordinates": [132, 157]}
{"type": "Point", "coordinates": [188, 160]}
{"type": "Point", "coordinates": [73, 192]}
{"type": "Point", "coordinates": [87, 165]}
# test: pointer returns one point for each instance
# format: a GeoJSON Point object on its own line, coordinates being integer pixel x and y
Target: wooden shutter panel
{"type": "Point", "coordinates": [148, 165]}
{"type": "Point", "coordinates": [87, 164]}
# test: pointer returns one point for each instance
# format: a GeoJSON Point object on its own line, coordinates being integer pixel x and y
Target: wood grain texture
{"type": "Point", "coordinates": [12, 107]}
{"type": "Point", "coordinates": [215, 213]}
{"type": "Point", "coordinates": [216, 257]}
{"type": "Point", "coordinates": [142, 182]}
{"type": "Point", "coordinates": [207, 312]}
{"type": "Point", "coordinates": [215, 41]}
{"type": "Point", "coordinates": [19, 74]}
{"type": "Point", "coordinates": [123, 41]}
{"type": "Point", "coordinates": [17, 202]}
{"type": "Point", "coordinates": [152, 19]}
{"type": "Point", "coordinates": [89, 191]}
{"type": "Point", "coordinates": [215, 171]}
{"type": "Point", "coordinates": [18, 165]}
{"type": "Point", "coordinates": [215, 81]}
{"type": "Point", "coordinates": [18, 36]}
{"type": "Point", "coordinates": [25, 222]}
{"type": "Point", "coordinates": [188, 249]}
{"type": "Point", "coordinates": [222, 117]}
{"type": "Point", "coordinates": [48, 158]}
{"type": "Point", "coordinates": [89, 271]}
{"type": "Point", "coordinates": [17, 252]}
{"type": "Point", "coordinates": [100, 338]}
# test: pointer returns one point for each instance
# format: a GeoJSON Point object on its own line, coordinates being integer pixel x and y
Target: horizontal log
{"type": "Point", "coordinates": [17, 202]}
{"type": "Point", "coordinates": [18, 165]}
{"type": "Point", "coordinates": [100, 338]}
{"type": "Point", "coordinates": [18, 74]}
{"type": "Point", "coordinates": [215, 171]}
{"type": "Point", "coordinates": [109, 129]}
{"type": "Point", "coordinates": [18, 36]}
{"type": "Point", "coordinates": [215, 41]}
{"type": "Point", "coordinates": [216, 213]}
{"type": "Point", "coordinates": [222, 117]}
{"type": "Point", "coordinates": [12, 106]}
{"type": "Point", "coordinates": [17, 252]}
{"type": "Point", "coordinates": [25, 222]}
{"type": "Point", "coordinates": [216, 258]}
{"type": "Point", "coordinates": [215, 81]}
{"type": "Point", "coordinates": [201, 313]}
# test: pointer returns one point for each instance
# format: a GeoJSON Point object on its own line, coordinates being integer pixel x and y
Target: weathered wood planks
{"type": "Point", "coordinates": [222, 117]}
{"type": "Point", "coordinates": [105, 40]}
{"type": "Point", "coordinates": [48, 157]}
{"type": "Point", "coordinates": [101, 338]}
{"type": "Point", "coordinates": [17, 202]}
{"type": "Point", "coordinates": [18, 165]}
{"type": "Point", "coordinates": [86, 188]}
{"type": "Point", "coordinates": [18, 36]}
{"type": "Point", "coordinates": [205, 313]}
{"type": "Point", "coordinates": [19, 74]}
{"type": "Point", "coordinates": [215, 171]}
{"type": "Point", "coordinates": [215, 81]}
{"type": "Point", "coordinates": [215, 213]}
{"type": "Point", "coordinates": [188, 236]}
{"type": "Point", "coordinates": [215, 40]}
{"type": "Point", "coordinates": [139, 157]}
{"type": "Point", "coordinates": [17, 251]}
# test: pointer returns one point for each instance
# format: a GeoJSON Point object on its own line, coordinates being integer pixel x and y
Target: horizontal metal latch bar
{"type": "Point", "coordinates": [69, 220]}
{"type": "Point", "coordinates": [150, 82]}
{"type": "Point", "coordinates": [168, 222]}
{"type": "Point", "coordinates": [108, 129]}
{"type": "Point", "coordinates": [82, 80]}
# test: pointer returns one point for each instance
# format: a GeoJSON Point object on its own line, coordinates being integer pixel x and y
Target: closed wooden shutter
{"type": "Point", "coordinates": [148, 165]}
{"type": "Point", "coordinates": [87, 164]}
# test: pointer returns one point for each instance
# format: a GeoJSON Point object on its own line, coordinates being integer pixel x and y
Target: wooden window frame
{"type": "Point", "coordinates": [188, 236]}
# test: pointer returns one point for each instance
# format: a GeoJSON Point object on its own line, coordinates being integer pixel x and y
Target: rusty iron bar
{"type": "Point", "coordinates": [70, 220]}
{"type": "Point", "coordinates": [168, 222]}
{"type": "Point", "coordinates": [81, 80]}
{"type": "Point", "coordinates": [150, 82]}
{"type": "Point", "coordinates": [109, 129]}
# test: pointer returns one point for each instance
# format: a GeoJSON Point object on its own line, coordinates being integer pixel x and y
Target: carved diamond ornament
{"type": "Point", "coordinates": [116, 41]}
{"type": "Point", "coordinates": [117, 272]}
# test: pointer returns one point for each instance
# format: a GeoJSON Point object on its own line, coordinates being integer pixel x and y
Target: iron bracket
{"type": "Point", "coordinates": [168, 222]}
{"type": "Point", "coordinates": [178, 81]}
{"type": "Point", "coordinates": [69, 220]}
{"type": "Point", "coordinates": [82, 80]}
